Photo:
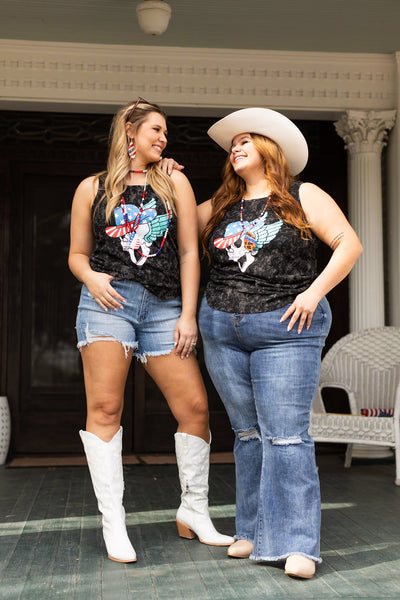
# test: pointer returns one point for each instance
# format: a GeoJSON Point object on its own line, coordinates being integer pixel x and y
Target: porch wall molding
{"type": "Point", "coordinates": [68, 76]}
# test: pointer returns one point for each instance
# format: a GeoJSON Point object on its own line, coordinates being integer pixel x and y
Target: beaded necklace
{"type": "Point", "coordinates": [133, 226]}
{"type": "Point", "coordinates": [258, 218]}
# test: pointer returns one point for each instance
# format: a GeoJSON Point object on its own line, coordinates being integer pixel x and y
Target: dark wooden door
{"type": "Point", "coordinates": [45, 384]}
{"type": "Point", "coordinates": [43, 158]}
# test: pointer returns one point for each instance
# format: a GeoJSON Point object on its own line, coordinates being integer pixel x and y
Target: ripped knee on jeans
{"type": "Point", "coordinates": [245, 435]}
{"type": "Point", "coordinates": [286, 441]}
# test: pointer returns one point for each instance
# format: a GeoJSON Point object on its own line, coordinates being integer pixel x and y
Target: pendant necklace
{"type": "Point", "coordinates": [258, 218]}
{"type": "Point", "coordinates": [133, 226]}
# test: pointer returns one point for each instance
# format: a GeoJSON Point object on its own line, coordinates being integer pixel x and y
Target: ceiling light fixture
{"type": "Point", "coordinates": [153, 16]}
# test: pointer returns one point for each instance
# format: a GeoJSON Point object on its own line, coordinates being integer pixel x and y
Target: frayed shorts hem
{"type": "Point", "coordinates": [143, 357]}
{"type": "Point", "coordinates": [283, 557]}
{"type": "Point", "coordinates": [126, 345]}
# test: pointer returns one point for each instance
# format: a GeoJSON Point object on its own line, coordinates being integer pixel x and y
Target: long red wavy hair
{"type": "Point", "coordinates": [279, 180]}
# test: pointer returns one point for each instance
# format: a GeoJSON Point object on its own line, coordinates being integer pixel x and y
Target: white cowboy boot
{"type": "Point", "coordinates": [105, 466]}
{"type": "Point", "coordinates": [193, 458]}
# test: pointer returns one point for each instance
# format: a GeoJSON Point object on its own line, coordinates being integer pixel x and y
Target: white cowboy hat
{"type": "Point", "coordinates": [266, 122]}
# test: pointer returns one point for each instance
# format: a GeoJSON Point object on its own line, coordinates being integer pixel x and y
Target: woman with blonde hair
{"type": "Point", "coordinates": [264, 320]}
{"type": "Point", "coordinates": [134, 247]}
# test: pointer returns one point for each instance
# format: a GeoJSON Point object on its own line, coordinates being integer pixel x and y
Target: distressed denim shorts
{"type": "Point", "coordinates": [146, 324]}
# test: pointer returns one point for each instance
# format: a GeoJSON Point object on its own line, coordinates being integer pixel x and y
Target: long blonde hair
{"type": "Point", "coordinates": [118, 163]}
{"type": "Point", "coordinates": [278, 177]}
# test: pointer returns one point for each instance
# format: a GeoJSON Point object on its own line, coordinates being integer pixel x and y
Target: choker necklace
{"type": "Point", "coordinates": [140, 171]}
{"type": "Point", "coordinates": [258, 218]}
{"type": "Point", "coordinates": [135, 224]}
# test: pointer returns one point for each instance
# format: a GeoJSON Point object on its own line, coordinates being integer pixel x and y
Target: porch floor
{"type": "Point", "coordinates": [51, 546]}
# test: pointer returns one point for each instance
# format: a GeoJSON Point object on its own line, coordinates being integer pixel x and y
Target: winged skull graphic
{"type": "Point", "coordinates": [141, 229]}
{"type": "Point", "coordinates": [243, 241]}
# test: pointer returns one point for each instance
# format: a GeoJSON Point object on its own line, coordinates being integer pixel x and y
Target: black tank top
{"type": "Point", "coordinates": [261, 264]}
{"type": "Point", "coordinates": [128, 247]}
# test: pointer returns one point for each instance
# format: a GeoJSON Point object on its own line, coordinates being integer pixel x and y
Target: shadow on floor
{"type": "Point", "coordinates": [51, 545]}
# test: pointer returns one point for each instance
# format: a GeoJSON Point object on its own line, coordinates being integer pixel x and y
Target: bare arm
{"type": "Point", "coordinates": [186, 328]}
{"type": "Point", "coordinates": [82, 244]}
{"type": "Point", "coordinates": [331, 226]}
{"type": "Point", "coordinates": [204, 214]}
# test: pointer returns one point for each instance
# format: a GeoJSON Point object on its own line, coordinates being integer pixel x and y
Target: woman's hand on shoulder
{"type": "Point", "coordinates": [168, 165]}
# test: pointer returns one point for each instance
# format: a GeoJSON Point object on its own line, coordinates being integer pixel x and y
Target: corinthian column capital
{"type": "Point", "coordinates": [365, 131]}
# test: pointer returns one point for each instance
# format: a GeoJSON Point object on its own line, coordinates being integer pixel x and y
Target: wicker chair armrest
{"type": "Point", "coordinates": [319, 405]}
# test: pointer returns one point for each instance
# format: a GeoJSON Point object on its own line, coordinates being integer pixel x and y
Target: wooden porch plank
{"type": "Point", "coordinates": [51, 543]}
{"type": "Point", "coordinates": [48, 511]}
{"type": "Point", "coordinates": [65, 567]}
{"type": "Point", "coordinates": [91, 549]}
{"type": "Point", "coordinates": [15, 509]}
{"type": "Point", "coordinates": [353, 535]}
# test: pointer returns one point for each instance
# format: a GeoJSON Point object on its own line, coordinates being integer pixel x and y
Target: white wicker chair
{"type": "Point", "coordinates": [366, 364]}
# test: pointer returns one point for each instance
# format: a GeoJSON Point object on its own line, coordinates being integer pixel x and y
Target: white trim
{"type": "Point", "coordinates": [95, 77]}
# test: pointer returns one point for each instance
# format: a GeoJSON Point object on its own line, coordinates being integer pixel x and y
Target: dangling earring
{"type": "Point", "coordinates": [131, 150]}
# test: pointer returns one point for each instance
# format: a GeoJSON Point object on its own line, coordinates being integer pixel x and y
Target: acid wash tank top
{"type": "Point", "coordinates": [260, 264]}
{"type": "Point", "coordinates": [133, 245]}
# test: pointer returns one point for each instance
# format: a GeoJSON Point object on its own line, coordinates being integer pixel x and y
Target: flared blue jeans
{"type": "Point", "coordinates": [267, 377]}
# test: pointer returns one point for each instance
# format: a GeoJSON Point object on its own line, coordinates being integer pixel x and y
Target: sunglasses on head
{"type": "Point", "coordinates": [138, 101]}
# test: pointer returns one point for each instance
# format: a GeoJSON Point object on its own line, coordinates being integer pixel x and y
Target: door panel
{"type": "Point", "coordinates": [50, 404]}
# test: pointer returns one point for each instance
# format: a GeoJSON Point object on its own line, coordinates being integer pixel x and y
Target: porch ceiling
{"type": "Point", "coordinates": [308, 25]}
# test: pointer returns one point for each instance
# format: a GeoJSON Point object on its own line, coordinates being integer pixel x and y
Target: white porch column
{"type": "Point", "coordinates": [364, 134]}
{"type": "Point", "coordinates": [393, 215]}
